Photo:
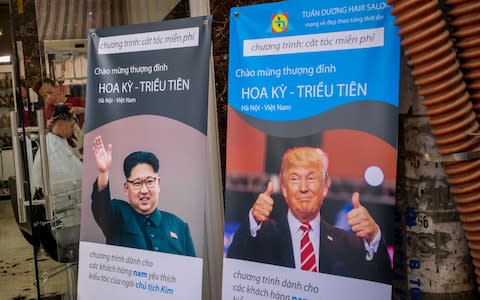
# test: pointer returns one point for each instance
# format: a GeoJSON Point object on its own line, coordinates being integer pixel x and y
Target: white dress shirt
{"type": "Point", "coordinates": [296, 233]}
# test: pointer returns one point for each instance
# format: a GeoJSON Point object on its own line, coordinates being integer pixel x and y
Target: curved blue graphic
{"type": "Point", "coordinates": [367, 116]}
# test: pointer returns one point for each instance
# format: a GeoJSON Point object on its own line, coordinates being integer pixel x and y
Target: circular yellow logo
{"type": "Point", "coordinates": [279, 22]}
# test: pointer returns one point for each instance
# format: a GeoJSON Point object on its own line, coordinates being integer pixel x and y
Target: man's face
{"type": "Point", "coordinates": [50, 94]}
{"type": "Point", "coordinates": [24, 92]}
{"type": "Point", "coordinates": [304, 187]}
{"type": "Point", "coordinates": [144, 198]}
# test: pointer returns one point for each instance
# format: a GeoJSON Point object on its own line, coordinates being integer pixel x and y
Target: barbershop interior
{"type": "Point", "coordinates": [435, 221]}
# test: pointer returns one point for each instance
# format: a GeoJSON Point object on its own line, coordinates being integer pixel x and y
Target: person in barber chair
{"type": "Point", "coordinates": [65, 169]}
{"type": "Point", "coordinates": [65, 174]}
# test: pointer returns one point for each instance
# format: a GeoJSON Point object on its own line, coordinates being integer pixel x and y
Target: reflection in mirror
{"type": "Point", "coordinates": [66, 66]}
{"type": "Point", "coordinates": [66, 60]}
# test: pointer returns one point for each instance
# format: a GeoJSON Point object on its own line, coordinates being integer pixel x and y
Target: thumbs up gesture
{"type": "Point", "coordinates": [363, 225]}
{"type": "Point", "coordinates": [263, 206]}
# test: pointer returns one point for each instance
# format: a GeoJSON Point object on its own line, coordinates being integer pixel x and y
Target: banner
{"type": "Point", "coordinates": [144, 182]}
{"type": "Point", "coordinates": [311, 151]}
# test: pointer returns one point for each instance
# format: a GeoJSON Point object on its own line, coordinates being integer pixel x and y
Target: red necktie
{"type": "Point", "coordinates": [307, 254]}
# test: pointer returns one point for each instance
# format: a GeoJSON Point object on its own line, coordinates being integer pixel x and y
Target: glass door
{"type": "Point", "coordinates": [43, 221]}
{"type": "Point", "coordinates": [18, 246]}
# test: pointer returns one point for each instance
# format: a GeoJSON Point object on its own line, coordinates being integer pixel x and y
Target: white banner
{"type": "Point", "coordinates": [106, 270]}
{"type": "Point", "coordinates": [248, 280]}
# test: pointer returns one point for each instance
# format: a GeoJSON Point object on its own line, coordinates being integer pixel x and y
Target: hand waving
{"type": "Point", "coordinates": [103, 157]}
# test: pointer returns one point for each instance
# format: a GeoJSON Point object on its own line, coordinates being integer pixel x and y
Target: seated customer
{"type": "Point", "coordinates": [53, 95]}
{"type": "Point", "coordinates": [65, 174]}
{"type": "Point", "coordinates": [65, 169]}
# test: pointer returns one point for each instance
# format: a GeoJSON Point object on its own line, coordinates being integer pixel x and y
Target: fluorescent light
{"type": "Point", "coordinates": [5, 59]}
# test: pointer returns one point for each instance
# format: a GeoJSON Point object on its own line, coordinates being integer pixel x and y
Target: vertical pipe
{"type": "Point", "coordinates": [45, 170]}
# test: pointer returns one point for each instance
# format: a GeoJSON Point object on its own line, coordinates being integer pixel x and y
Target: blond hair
{"type": "Point", "coordinates": [302, 155]}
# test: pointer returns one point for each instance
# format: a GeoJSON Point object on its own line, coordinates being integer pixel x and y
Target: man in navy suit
{"type": "Point", "coordinates": [304, 184]}
{"type": "Point", "coordinates": [136, 223]}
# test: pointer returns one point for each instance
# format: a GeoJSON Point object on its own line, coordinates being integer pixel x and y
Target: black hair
{"type": "Point", "coordinates": [139, 157]}
{"type": "Point", "coordinates": [62, 112]}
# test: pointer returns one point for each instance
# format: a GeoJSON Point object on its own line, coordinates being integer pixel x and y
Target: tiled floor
{"type": "Point", "coordinates": [17, 275]}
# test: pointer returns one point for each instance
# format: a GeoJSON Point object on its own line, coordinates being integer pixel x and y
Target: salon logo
{"type": "Point", "coordinates": [279, 23]}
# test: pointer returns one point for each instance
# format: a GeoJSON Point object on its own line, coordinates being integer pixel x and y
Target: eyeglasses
{"type": "Point", "coordinates": [150, 183]}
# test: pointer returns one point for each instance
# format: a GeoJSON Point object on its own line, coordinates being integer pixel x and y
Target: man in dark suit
{"type": "Point", "coordinates": [136, 223]}
{"type": "Point", "coordinates": [299, 238]}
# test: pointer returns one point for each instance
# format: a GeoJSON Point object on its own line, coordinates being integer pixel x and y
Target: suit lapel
{"type": "Point", "coordinates": [285, 248]}
{"type": "Point", "coordinates": [327, 248]}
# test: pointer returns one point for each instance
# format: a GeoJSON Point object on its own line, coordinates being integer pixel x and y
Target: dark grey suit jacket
{"type": "Point", "coordinates": [341, 252]}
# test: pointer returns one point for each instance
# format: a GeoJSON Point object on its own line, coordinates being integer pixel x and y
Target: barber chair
{"type": "Point", "coordinates": [58, 235]}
